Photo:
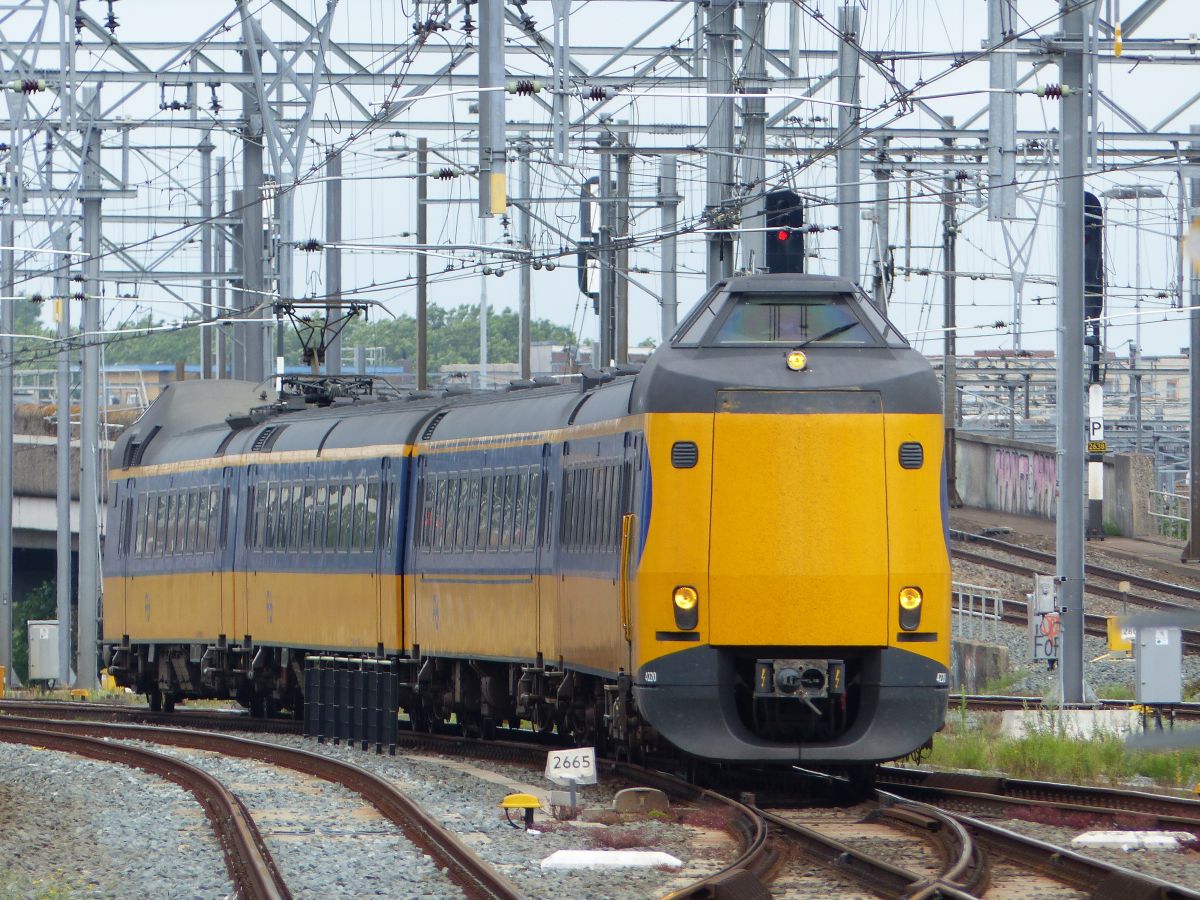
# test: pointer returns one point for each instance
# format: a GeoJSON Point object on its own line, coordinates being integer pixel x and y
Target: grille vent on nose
{"type": "Point", "coordinates": [912, 455]}
{"type": "Point", "coordinates": [684, 455]}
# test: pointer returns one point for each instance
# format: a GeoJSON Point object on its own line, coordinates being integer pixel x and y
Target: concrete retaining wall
{"type": "Point", "coordinates": [1022, 478]}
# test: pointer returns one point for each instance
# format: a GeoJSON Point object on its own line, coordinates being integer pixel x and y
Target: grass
{"type": "Point", "coordinates": [1116, 691]}
{"type": "Point", "coordinates": [1003, 684]}
{"type": "Point", "coordinates": [1044, 754]}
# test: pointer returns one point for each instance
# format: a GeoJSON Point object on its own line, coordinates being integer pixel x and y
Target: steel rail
{"type": "Point", "coordinates": [1172, 812]}
{"type": "Point", "coordinates": [1151, 584]}
{"type": "Point", "coordinates": [189, 718]}
{"type": "Point", "coordinates": [966, 865]}
{"type": "Point", "coordinates": [473, 875]}
{"type": "Point", "coordinates": [249, 863]}
{"type": "Point", "coordinates": [1096, 878]}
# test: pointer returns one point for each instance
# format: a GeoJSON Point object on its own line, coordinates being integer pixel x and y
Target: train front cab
{"type": "Point", "coordinates": [803, 509]}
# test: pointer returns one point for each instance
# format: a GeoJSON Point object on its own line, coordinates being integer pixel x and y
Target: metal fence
{"type": "Point", "coordinates": [977, 612]}
{"type": "Point", "coordinates": [1170, 513]}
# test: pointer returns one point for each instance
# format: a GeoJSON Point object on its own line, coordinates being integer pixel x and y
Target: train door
{"type": "Point", "coordinates": [627, 573]}
{"type": "Point", "coordinates": [224, 553]}
{"type": "Point", "coordinates": [543, 569]}
{"type": "Point", "coordinates": [242, 540]}
{"type": "Point", "coordinates": [377, 505]}
{"type": "Point", "coordinates": [117, 550]}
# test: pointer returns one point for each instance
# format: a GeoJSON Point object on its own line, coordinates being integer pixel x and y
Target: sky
{"type": "Point", "coordinates": [379, 190]}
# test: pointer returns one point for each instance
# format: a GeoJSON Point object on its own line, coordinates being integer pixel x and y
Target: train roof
{"type": "Point", "coordinates": [206, 419]}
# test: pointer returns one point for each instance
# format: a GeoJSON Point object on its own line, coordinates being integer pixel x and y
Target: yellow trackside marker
{"type": "Point", "coordinates": [499, 193]}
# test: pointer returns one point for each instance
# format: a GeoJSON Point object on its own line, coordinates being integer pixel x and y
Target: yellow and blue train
{"type": "Point", "coordinates": [739, 549]}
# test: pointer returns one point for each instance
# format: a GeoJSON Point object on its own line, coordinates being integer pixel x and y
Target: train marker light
{"type": "Point", "coordinates": [910, 608]}
{"type": "Point", "coordinates": [687, 612]}
{"type": "Point", "coordinates": [797, 360]}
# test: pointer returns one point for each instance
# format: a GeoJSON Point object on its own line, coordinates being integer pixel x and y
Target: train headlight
{"type": "Point", "coordinates": [687, 607]}
{"type": "Point", "coordinates": [797, 360]}
{"type": "Point", "coordinates": [910, 608]}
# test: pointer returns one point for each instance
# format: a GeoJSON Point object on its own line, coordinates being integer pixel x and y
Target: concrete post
{"type": "Point", "coordinates": [492, 188]}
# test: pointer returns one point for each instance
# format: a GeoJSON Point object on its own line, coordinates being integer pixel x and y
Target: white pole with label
{"type": "Point", "coordinates": [1096, 450]}
{"type": "Point", "coordinates": [570, 769]}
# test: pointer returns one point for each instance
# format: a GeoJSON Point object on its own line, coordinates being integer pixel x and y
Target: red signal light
{"type": "Point", "coordinates": [782, 235]}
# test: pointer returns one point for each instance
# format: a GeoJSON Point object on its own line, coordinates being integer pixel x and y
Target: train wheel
{"type": "Point", "coordinates": [155, 698]}
{"type": "Point", "coordinates": [257, 705]}
{"type": "Point", "coordinates": [168, 702]}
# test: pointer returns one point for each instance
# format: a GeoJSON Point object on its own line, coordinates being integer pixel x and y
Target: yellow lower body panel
{"type": "Point", "coordinates": [182, 607]}
{"type": "Point", "coordinates": [303, 609]}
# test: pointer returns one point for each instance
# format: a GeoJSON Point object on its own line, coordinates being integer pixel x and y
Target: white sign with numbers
{"type": "Point", "coordinates": [577, 766]}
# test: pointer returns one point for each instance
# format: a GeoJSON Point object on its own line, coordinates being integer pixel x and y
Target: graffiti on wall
{"type": "Point", "coordinates": [1025, 482]}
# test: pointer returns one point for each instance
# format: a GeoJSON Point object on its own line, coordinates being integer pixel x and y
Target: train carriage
{"type": "Point", "coordinates": [739, 550]}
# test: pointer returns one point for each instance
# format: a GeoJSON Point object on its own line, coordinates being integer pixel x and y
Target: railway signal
{"type": "Point", "coordinates": [785, 232]}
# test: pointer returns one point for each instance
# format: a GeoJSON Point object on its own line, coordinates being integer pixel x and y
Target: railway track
{"type": "Point", "coordinates": [186, 718]}
{"type": "Point", "coordinates": [996, 703]}
{"type": "Point", "coordinates": [475, 877]}
{"type": "Point", "coordinates": [250, 866]}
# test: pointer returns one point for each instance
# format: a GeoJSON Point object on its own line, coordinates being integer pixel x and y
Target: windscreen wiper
{"type": "Point", "coordinates": [832, 332]}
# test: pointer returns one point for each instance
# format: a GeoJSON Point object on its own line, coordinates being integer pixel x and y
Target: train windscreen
{"type": "Point", "coordinates": [793, 319]}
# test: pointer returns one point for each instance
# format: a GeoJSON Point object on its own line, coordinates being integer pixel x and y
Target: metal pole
{"type": "Point", "coordinates": [1069, 523]}
{"type": "Point", "coordinates": [422, 264]}
{"type": "Point", "coordinates": [219, 266]}
{"type": "Point", "coordinates": [754, 130]}
{"type": "Point", "coordinates": [1002, 115]}
{"type": "Point", "coordinates": [668, 202]}
{"type": "Point", "coordinates": [720, 138]}
{"type": "Point", "coordinates": [950, 324]}
{"type": "Point", "coordinates": [1191, 553]}
{"type": "Point", "coordinates": [62, 489]}
{"type": "Point", "coordinates": [621, 255]}
{"type": "Point", "coordinates": [333, 258]}
{"type": "Point", "coordinates": [883, 253]}
{"type": "Point", "coordinates": [605, 254]}
{"type": "Point", "coordinates": [252, 344]}
{"type": "Point", "coordinates": [483, 313]}
{"type": "Point", "coordinates": [89, 420]}
{"type": "Point", "coordinates": [524, 272]}
{"type": "Point", "coordinates": [849, 149]}
{"type": "Point", "coordinates": [237, 333]}
{"type": "Point", "coordinates": [492, 189]}
{"type": "Point", "coordinates": [206, 259]}
{"type": "Point", "coordinates": [7, 364]}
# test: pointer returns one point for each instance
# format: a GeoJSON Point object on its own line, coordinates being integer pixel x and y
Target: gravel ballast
{"type": "Point", "coordinates": [74, 827]}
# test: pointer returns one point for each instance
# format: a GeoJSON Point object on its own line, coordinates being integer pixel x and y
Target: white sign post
{"type": "Point", "coordinates": [571, 768]}
{"type": "Point", "coordinates": [1045, 633]}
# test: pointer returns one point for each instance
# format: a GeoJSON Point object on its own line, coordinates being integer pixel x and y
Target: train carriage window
{"type": "Point", "coordinates": [306, 519]}
{"type": "Point", "coordinates": [439, 513]}
{"type": "Point", "coordinates": [615, 508]}
{"type": "Point", "coordinates": [333, 516]}
{"type": "Point", "coordinates": [284, 536]}
{"type": "Point", "coordinates": [425, 515]}
{"type": "Point", "coordinates": [320, 515]}
{"type": "Point", "coordinates": [506, 513]}
{"type": "Point", "coordinates": [389, 523]}
{"type": "Point", "coordinates": [160, 524]}
{"type": "Point", "coordinates": [260, 518]}
{"type": "Point", "coordinates": [188, 507]}
{"type": "Point", "coordinates": [448, 543]}
{"type": "Point", "coordinates": [269, 511]}
{"type": "Point", "coordinates": [593, 508]}
{"type": "Point", "coordinates": [533, 505]}
{"type": "Point", "coordinates": [203, 538]}
{"type": "Point", "coordinates": [519, 507]}
{"type": "Point", "coordinates": [296, 529]}
{"type": "Point", "coordinates": [346, 517]}
{"type": "Point", "coordinates": [358, 538]}
{"type": "Point", "coordinates": [172, 517]}
{"type": "Point", "coordinates": [139, 541]}
{"type": "Point", "coordinates": [372, 515]}
{"type": "Point", "coordinates": [483, 513]}
{"type": "Point", "coordinates": [497, 519]}
{"type": "Point", "coordinates": [465, 504]}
